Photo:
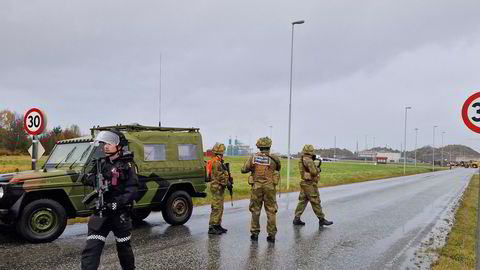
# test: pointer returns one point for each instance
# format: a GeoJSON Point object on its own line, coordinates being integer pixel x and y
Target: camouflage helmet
{"type": "Point", "coordinates": [264, 142]}
{"type": "Point", "coordinates": [218, 148]}
{"type": "Point", "coordinates": [308, 149]}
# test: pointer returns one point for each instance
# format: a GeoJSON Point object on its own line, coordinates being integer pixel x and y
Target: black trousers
{"type": "Point", "coordinates": [98, 230]}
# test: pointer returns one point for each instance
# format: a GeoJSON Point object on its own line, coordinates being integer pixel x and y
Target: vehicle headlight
{"type": "Point", "coordinates": [1, 192]}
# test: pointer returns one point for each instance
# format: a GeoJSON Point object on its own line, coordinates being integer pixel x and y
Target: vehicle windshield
{"type": "Point", "coordinates": [77, 153]}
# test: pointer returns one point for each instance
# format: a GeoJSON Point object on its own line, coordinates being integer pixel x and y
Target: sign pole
{"type": "Point", "coordinates": [473, 123]}
{"type": "Point", "coordinates": [34, 152]}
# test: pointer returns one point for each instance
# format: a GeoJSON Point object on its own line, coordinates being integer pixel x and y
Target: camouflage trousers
{"type": "Point", "coordinates": [309, 193]}
{"type": "Point", "coordinates": [217, 204]}
{"type": "Point", "coordinates": [263, 194]}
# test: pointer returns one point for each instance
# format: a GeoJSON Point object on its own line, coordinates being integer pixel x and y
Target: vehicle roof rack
{"type": "Point", "coordinates": [137, 127]}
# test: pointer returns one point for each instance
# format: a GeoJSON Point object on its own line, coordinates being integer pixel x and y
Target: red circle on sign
{"type": "Point", "coordinates": [466, 120]}
{"type": "Point", "coordinates": [42, 121]}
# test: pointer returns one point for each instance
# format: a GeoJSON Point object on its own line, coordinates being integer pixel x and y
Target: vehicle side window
{"type": "Point", "coordinates": [187, 152]}
{"type": "Point", "coordinates": [154, 152]}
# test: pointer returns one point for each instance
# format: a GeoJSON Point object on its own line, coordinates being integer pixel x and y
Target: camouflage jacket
{"type": "Point", "coordinates": [219, 173]}
{"type": "Point", "coordinates": [123, 180]}
{"type": "Point", "coordinates": [308, 170]}
{"type": "Point", "coordinates": [262, 165]}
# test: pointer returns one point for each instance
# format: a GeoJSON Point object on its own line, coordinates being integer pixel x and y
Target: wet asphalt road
{"type": "Point", "coordinates": [378, 225]}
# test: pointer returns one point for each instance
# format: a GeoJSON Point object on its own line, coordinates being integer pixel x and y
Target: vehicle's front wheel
{"type": "Point", "coordinates": [178, 208]}
{"type": "Point", "coordinates": [42, 221]}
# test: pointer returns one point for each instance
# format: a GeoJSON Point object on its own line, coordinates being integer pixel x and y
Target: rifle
{"type": "Point", "coordinates": [230, 181]}
{"type": "Point", "coordinates": [100, 187]}
{"type": "Point", "coordinates": [314, 157]}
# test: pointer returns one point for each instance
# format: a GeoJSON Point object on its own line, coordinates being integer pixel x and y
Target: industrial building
{"type": "Point", "coordinates": [238, 148]}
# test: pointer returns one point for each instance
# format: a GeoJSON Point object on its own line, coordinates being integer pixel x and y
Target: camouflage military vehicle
{"type": "Point", "coordinates": [169, 164]}
{"type": "Point", "coordinates": [473, 164]}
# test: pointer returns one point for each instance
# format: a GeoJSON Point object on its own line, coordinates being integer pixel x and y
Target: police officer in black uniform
{"type": "Point", "coordinates": [118, 171]}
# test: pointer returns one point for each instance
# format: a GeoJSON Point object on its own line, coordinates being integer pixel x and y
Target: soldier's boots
{"type": "Point", "coordinates": [222, 229]}
{"type": "Point", "coordinates": [215, 230]}
{"type": "Point", "coordinates": [324, 222]}
{"type": "Point", "coordinates": [271, 239]}
{"type": "Point", "coordinates": [298, 221]}
{"type": "Point", "coordinates": [254, 237]}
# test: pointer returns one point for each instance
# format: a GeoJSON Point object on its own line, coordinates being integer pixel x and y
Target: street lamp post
{"type": "Point", "coordinates": [441, 164]}
{"type": "Point", "coordinates": [290, 103]}
{"type": "Point", "coordinates": [405, 142]}
{"type": "Point", "coordinates": [433, 148]}
{"type": "Point", "coordinates": [334, 147]}
{"type": "Point", "coordinates": [416, 133]}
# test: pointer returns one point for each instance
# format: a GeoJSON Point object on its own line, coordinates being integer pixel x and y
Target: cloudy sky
{"type": "Point", "coordinates": [226, 65]}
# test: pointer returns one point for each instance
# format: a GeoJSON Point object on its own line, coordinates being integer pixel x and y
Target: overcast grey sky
{"type": "Point", "coordinates": [226, 64]}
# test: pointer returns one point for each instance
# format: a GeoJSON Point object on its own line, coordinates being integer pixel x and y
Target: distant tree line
{"type": "Point", "coordinates": [14, 140]}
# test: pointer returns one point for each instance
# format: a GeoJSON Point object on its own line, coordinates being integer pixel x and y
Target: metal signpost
{"type": "Point", "coordinates": [471, 118]}
{"type": "Point", "coordinates": [34, 122]}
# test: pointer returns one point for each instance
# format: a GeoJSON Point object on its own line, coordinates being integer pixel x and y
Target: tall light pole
{"type": "Point", "coordinates": [433, 148]}
{"type": "Point", "coordinates": [160, 94]}
{"type": "Point", "coordinates": [290, 104]}
{"type": "Point", "coordinates": [441, 164]}
{"type": "Point", "coordinates": [416, 133]}
{"type": "Point", "coordinates": [335, 147]}
{"type": "Point", "coordinates": [271, 127]}
{"type": "Point", "coordinates": [405, 142]}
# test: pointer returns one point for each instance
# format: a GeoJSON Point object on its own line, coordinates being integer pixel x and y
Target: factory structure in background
{"type": "Point", "coordinates": [238, 148]}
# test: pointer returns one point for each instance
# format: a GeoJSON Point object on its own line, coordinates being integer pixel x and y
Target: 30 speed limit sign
{"type": "Point", "coordinates": [34, 121]}
{"type": "Point", "coordinates": [471, 112]}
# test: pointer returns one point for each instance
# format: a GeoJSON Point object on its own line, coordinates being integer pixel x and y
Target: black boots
{"type": "Point", "coordinates": [222, 229]}
{"type": "Point", "coordinates": [298, 221]}
{"type": "Point", "coordinates": [324, 222]}
{"type": "Point", "coordinates": [271, 239]}
{"type": "Point", "coordinates": [254, 237]}
{"type": "Point", "coordinates": [216, 229]}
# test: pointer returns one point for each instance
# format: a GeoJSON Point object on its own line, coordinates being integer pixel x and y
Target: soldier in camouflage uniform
{"type": "Point", "coordinates": [219, 180]}
{"type": "Point", "coordinates": [265, 174]}
{"type": "Point", "coordinates": [309, 191]}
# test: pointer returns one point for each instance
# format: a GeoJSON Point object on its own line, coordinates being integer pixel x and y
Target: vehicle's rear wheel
{"type": "Point", "coordinates": [178, 208]}
{"type": "Point", "coordinates": [42, 221]}
{"type": "Point", "coordinates": [140, 214]}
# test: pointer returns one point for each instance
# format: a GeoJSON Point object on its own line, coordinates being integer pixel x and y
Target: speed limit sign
{"type": "Point", "coordinates": [471, 112]}
{"type": "Point", "coordinates": [34, 121]}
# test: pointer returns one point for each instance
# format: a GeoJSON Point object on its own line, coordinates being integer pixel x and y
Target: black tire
{"type": "Point", "coordinates": [178, 208]}
{"type": "Point", "coordinates": [42, 221]}
{"type": "Point", "coordinates": [140, 214]}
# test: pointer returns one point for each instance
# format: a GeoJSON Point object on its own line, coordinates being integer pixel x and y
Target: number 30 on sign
{"type": "Point", "coordinates": [34, 121]}
{"type": "Point", "coordinates": [471, 112]}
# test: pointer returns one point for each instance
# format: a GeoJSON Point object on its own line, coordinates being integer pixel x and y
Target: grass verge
{"type": "Point", "coordinates": [333, 173]}
{"type": "Point", "coordinates": [459, 252]}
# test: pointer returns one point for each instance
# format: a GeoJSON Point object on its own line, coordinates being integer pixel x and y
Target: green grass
{"type": "Point", "coordinates": [333, 173]}
{"type": "Point", "coordinates": [459, 252]}
{"type": "Point", "coordinates": [20, 163]}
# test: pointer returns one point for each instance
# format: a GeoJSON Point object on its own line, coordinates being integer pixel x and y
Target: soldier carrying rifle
{"type": "Point", "coordinates": [115, 183]}
{"type": "Point", "coordinates": [220, 179]}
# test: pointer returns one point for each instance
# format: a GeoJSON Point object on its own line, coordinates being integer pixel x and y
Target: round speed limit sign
{"type": "Point", "coordinates": [34, 121]}
{"type": "Point", "coordinates": [471, 112]}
